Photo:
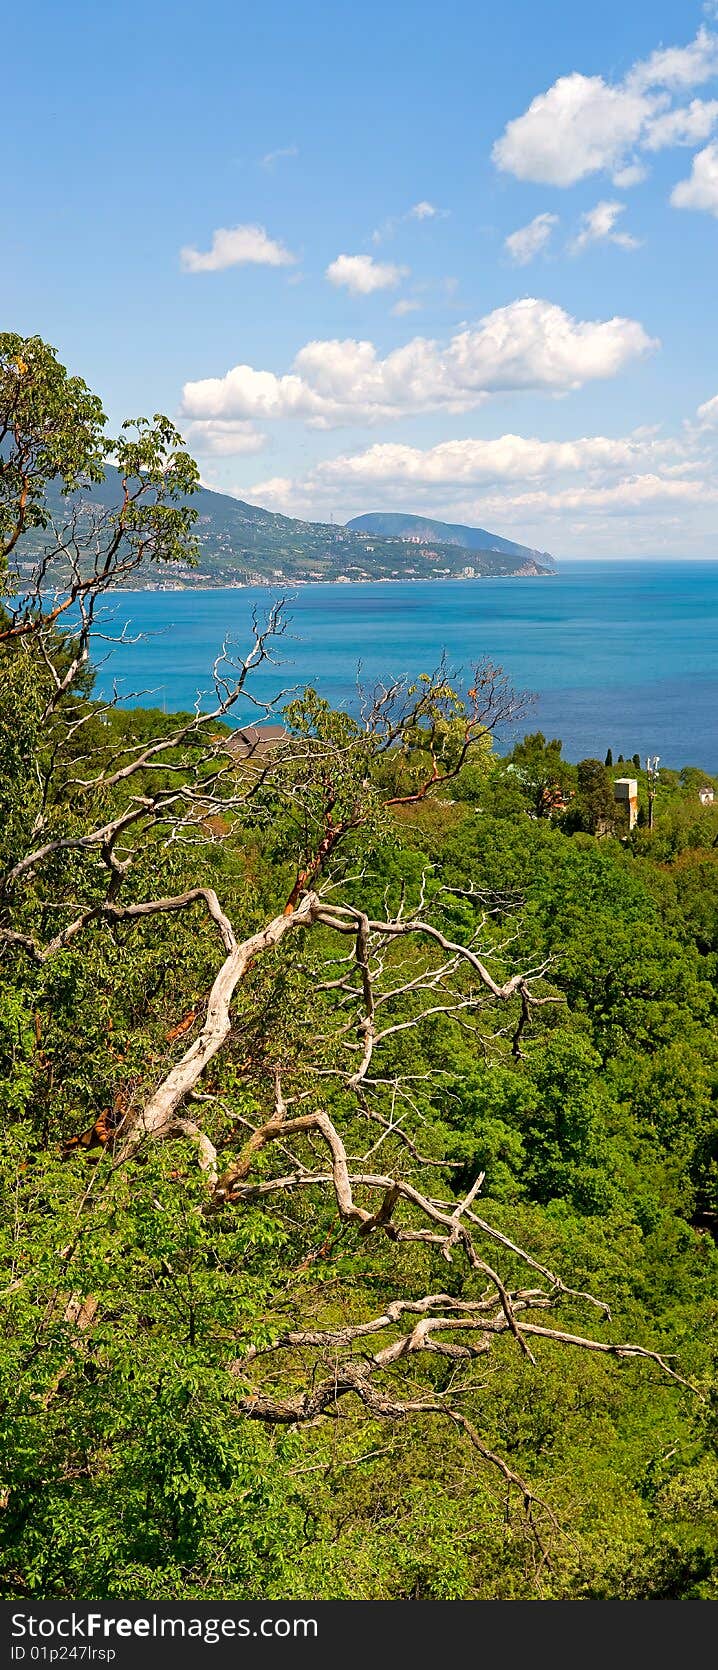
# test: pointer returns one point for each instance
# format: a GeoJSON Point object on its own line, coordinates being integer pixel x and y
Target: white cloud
{"type": "Point", "coordinates": [529, 344]}
{"type": "Point", "coordinates": [423, 210]}
{"type": "Point", "coordinates": [687, 125]}
{"type": "Point", "coordinates": [679, 67]}
{"type": "Point", "coordinates": [401, 308]}
{"type": "Point", "coordinates": [629, 174]}
{"type": "Point", "coordinates": [579, 126]}
{"type": "Point", "coordinates": [280, 155]}
{"type": "Point", "coordinates": [473, 462]}
{"type": "Point", "coordinates": [245, 393]}
{"type": "Point", "coordinates": [587, 493]}
{"type": "Point", "coordinates": [707, 414]}
{"type": "Point", "coordinates": [362, 275]}
{"type": "Point", "coordinates": [631, 495]}
{"type": "Point", "coordinates": [583, 124]}
{"type": "Point", "coordinates": [277, 493]}
{"type": "Point", "coordinates": [221, 438]}
{"type": "Point", "coordinates": [511, 475]}
{"type": "Point", "coordinates": [526, 241]}
{"type": "Point", "coordinates": [700, 190]}
{"type": "Point", "coordinates": [598, 226]}
{"type": "Point", "coordinates": [236, 246]}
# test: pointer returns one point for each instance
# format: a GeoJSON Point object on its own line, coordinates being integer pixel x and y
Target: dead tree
{"type": "Point", "coordinates": [372, 979]}
{"type": "Point", "coordinates": [341, 1126]}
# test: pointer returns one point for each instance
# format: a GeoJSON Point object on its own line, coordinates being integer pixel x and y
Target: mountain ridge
{"type": "Point", "coordinates": [243, 544]}
{"type": "Point", "coordinates": [411, 529]}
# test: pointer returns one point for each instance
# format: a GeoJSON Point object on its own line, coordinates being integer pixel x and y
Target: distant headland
{"type": "Point", "coordinates": [244, 545]}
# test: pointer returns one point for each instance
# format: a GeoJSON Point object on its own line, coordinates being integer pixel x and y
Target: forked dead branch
{"type": "Point", "coordinates": [338, 1127]}
{"type": "Point", "coordinates": [378, 978]}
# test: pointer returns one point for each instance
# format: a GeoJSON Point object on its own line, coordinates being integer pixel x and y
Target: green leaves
{"type": "Point", "coordinates": [51, 430]}
{"type": "Point", "coordinates": [542, 773]}
{"type": "Point", "coordinates": [53, 442]}
{"type": "Point", "coordinates": [157, 474]}
{"type": "Point", "coordinates": [141, 1311]}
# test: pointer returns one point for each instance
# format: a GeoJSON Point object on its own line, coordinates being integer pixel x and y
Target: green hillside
{"type": "Point", "coordinates": [424, 530]}
{"type": "Point", "coordinates": [358, 1208]}
{"type": "Point", "coordinates": [243, 544]}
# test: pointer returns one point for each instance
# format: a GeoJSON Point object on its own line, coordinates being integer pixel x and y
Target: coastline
{"type": "Point", "coordinates": [346, 585]}
{"type": "Point", "coordinates": [576, 643]}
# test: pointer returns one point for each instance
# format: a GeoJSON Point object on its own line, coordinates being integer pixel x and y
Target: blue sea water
{"type": "Point", "coordinates": [619, 654]}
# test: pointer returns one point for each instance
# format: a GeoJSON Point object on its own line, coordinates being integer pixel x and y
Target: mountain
{"type": "Point", "coordinates": [421, 530]}
{"type": "Point", "coordinates": [236, 535]}
{"type": "Point", "coordinates": [242, 544]}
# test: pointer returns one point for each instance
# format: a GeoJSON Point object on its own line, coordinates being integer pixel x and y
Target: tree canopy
{"type": "Point", "coordinates": [359, 1152]}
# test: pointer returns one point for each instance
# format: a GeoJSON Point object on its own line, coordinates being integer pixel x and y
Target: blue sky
{"type": "Point", "coordinates": [458, 259]}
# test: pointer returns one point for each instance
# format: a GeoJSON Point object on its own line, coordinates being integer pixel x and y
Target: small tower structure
{"type": "Point", "coordinates": [625, 791]}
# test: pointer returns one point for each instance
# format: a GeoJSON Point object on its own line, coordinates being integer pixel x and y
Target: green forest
{"type": "Point", "coordinates": [358, 1096]}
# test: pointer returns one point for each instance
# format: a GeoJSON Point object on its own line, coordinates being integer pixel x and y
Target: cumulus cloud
{"type": "Point", "coordinates": [639, 500]}
{"type": "Point", "coordinates": [478, 462]}
{"type": "Point", "coordinates": [632, 495]}
{"type": "Point", "coordinates": [236, 246]}
{"type": "Point", "coordinates": [579, 126]}
{"type": "Point", "coordinates": [573, 490]}
{"type": "Point", "coordinates": [512, 478]}
{"type": "Point", "coordinates": [679, 67]}
{"type": "Point", "coordinates": [277, 493]}
{"type": "Point", "coordinates": [526, 242]}
{"type": "Point", "coordinates": [406, 305]}
{"type": "Point", "coordinates": [423, 210]}
{"type": "Point", "coordinates": [598, 225]}
{"type": "Point", "coordinates": [700, 190]}
{"type": "Point", "coordinates": [707, 414]}
{"type": "Point", "coordinates": [529, 344]}
{"type": "Point", "coordinates": [687, 125]}
{"type": "Point", "coordinates": [362, 275]}
{"type": "Point", "coordinates": [219, 438]}
{"type": "Point", "coordinates": [629, 174]}
{"type": "Point", "coordinates": [584, 123]}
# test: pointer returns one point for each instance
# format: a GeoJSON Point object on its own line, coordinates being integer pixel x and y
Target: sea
{"type": "Point", "coordinates": [619, 654]}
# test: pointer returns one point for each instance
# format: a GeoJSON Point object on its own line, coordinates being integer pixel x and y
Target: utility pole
{"type": "Point", "coordinates": [652, 775]}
